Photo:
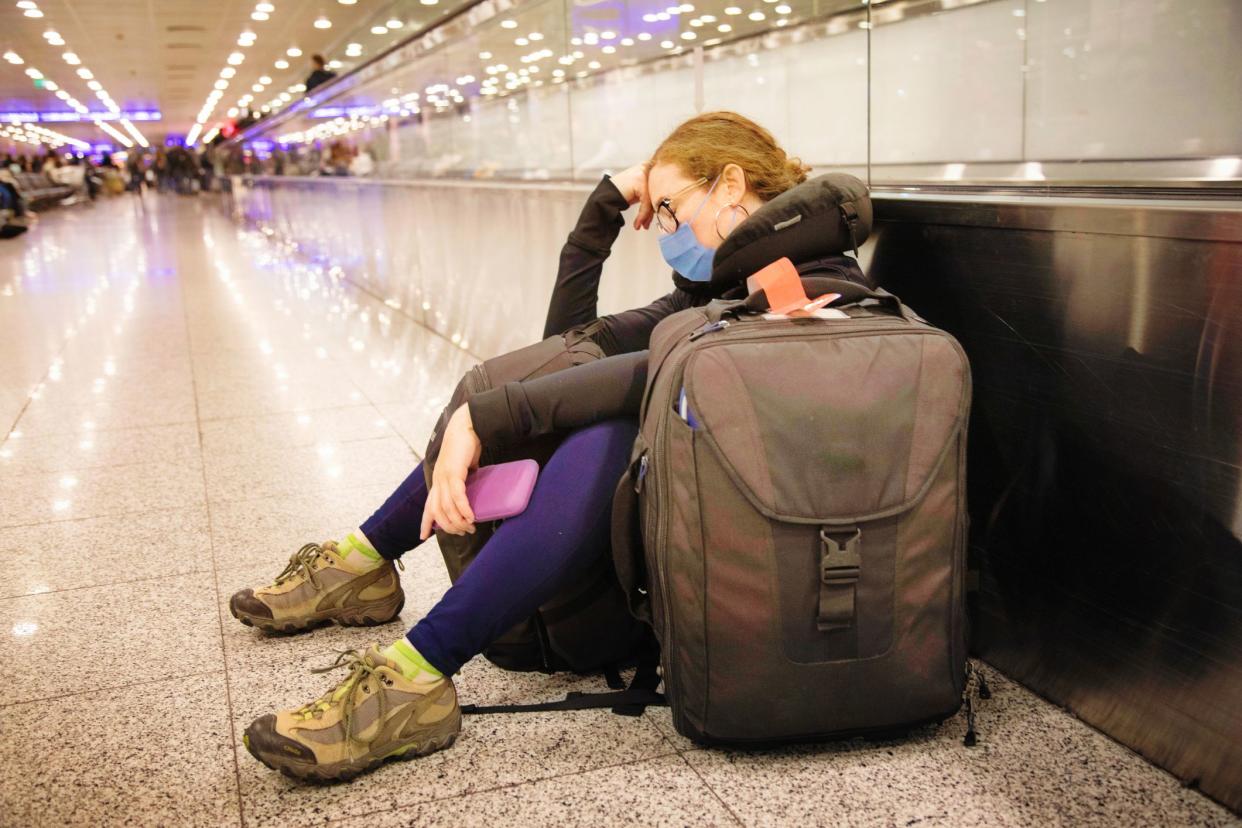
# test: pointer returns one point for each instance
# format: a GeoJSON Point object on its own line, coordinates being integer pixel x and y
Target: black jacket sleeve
{"type": "Point", "coordinates": [576, 292]}
{"type": "Point", "coordinates": [631, 330]}
{"type": "Point", "coordinates": [611, 387]}
{"type": "Point", "coordinates": [569, 399]}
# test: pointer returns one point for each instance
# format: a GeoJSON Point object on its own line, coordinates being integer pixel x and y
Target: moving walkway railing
{"type": "Point", "coordinates": [426, 110]}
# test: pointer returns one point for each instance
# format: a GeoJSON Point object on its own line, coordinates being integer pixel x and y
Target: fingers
{"type": "Point", "coordinates": [457, 494]}
{"type": "Point", "coordinates": [450, 506]}
{"type": "Point", "coordinates": [643, 220]}
{"type": "Point", "coordinates": [645, 211]}
{"type": "Point", "coordinates": [444, 511]}
{"type": "Point", "coordinates": [449, 518]}
{"type": "Point", "coordinates": [424, 531]}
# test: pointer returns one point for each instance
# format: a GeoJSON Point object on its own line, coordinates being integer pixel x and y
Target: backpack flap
{"type": "Point", "coordinates": [850, 435]}
{"type": "Point", "coordinates": [856, 433]}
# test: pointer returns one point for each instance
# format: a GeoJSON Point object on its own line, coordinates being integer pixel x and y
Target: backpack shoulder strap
{"type": "Point", "coordinates": [631, 701]}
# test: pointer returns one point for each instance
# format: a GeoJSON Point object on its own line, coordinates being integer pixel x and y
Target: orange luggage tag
{"type": "Point", "coordinates": [783, 287]}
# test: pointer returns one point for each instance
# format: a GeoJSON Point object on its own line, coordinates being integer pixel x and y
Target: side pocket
{"type": "Point", "coordinates": [627, 537]}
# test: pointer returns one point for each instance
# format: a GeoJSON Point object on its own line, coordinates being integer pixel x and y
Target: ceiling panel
{"type": "Point", "coordinates": [166, 54]}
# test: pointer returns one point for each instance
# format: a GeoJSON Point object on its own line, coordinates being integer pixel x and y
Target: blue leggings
{"type": "Point", "coordinates": [529, 559]}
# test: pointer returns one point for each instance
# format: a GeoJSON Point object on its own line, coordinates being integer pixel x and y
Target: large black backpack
{"type": "Point", "coordinates": [587, 626]}
{"type": "Point", "coordinates": [794, 523]}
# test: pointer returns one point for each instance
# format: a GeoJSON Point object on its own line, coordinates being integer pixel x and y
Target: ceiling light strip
{"type": "Point", "coordinates": [133, 130]}
{"type": "Point", "coordinates": [31, 9]}
{"type": "Point", "coordinates": [38, 136]}
{"type": "Point", "coordinates": [108, 128]}
{"type": "Point", "coordinates": [262, 12]}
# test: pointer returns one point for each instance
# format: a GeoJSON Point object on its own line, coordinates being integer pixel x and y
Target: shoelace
{"type": "Point", "coordinates": [360, 670]}
{"type": "Point", "coordinates": [304, 561]}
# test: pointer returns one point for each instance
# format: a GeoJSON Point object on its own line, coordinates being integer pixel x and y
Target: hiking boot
{"type": "Point", "coordinates": [316, 588]}
{"type": "Point", "coordinates": [374, 714]}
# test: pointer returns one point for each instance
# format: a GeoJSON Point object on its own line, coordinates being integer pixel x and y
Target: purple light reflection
{"type": "Point", "coordinates": [74, 117]}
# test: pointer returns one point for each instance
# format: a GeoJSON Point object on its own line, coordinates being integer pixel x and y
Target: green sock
{"type": "Point", "coordinates": [413, 666]}
{"type": "Point", "coordinates": [357, 553]}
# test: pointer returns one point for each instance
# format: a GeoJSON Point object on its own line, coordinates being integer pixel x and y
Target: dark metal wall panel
{"type": "Point", "coordinates": [1105, 458]}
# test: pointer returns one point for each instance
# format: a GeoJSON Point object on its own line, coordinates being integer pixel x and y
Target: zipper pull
{"type": "Point", "coordinates": [642, 475]}
{"type": "Point", "coordinates": [711, 327]}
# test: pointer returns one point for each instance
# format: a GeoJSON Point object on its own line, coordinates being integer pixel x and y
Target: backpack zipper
{"type": "Point", "coordinates": [711, 327]}
{"type": "Point", "coordinates": [774, 328]}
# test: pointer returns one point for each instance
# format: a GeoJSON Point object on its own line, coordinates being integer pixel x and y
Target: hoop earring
{"type": "Point", "coordinates": [732, 208]}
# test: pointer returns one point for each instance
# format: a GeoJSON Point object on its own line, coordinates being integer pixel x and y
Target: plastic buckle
{"type": "Point", "coordinates": [841, 562]}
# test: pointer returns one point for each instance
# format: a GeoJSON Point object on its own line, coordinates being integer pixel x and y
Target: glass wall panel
{"type": "Point", "coordinates": [1038, 93]}
{"type": "Point", "coordinates": [378, 27]}
{"type": "Point", "coordinates": [620, 118]}
{"type": "Point", "coordinates": [947, 86]}
{"type": "Point", "coordinates": [509, 122]}
{"type": "Point", "coordinates": [1139, 79]}
{"type": "Point", "coordinates": [942, 93]}
{"type": "Point", "coordinates": [767, 79]}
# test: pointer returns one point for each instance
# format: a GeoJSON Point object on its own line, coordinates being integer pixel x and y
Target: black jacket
{"type": "Point", "coordinates": [577, 280]}
{"type": "Point", "coordinates": [613, 387]}
{"type": "Point", "coordinates": [318, 78]}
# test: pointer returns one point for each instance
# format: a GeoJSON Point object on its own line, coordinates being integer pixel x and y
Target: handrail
{"type": "Point", "coordinates": [1221, 195]}
{"type": "Point", "coordinates": [1153, 214]}
{"type": "Point", "coordinates": [1180, 177]}
{"type": "Point", "coordinates": [354, 76]}
{"type": "Point", "coordinates": [555, 185]}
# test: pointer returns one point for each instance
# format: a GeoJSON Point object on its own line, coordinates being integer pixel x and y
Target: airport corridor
{"type": "Point", "coordinates": [185, 401]}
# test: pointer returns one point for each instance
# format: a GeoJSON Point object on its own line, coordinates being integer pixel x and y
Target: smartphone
{"type": "Point", "coordinates": [501, 491]}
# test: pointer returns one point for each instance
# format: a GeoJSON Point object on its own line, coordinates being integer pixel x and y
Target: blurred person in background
{"type": "Point", "coordinates": [15, 216]}
{"type": "Point", "coordinates": [335, 160]}
{"type": "Point", "coordinates": [206, 168]}
{"type": "Point", "coordinates": [363, 164]}
{"type": "Point", "coordinates": [110, 175]}
{"type": "Point", "coordinates": [134, 174]}
{"type": "Point", "coordinates": [72, 173]}
{"type": "Point", "coordinates": [319, 75]}
{"type": "Point", "coordinates": [160, 165]}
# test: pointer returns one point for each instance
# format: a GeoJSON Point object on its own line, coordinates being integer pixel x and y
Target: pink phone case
{"type": "Point", "coordinates": [501, 491]}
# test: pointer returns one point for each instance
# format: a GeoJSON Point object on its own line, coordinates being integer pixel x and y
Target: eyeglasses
{"type": "Point", "coordinates": [665, 215]}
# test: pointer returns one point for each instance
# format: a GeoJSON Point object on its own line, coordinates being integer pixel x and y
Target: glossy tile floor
{"type": "Point", "coordinates": [183, 404]}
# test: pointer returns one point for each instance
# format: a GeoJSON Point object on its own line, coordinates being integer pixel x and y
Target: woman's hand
{"type": "Point", "coordinates": [633, 185]}
{"type": "Point", "coordinates": [447, 504]}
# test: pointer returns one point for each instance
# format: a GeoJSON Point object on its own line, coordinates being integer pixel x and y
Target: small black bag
{"type": "Point", "coordinates": [587, 626]}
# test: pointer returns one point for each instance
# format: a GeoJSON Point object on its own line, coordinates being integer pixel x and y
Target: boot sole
{"type": "Point", "coordinates": [366, 615]}
{"type": "Point", "coordinates": [344, 771]}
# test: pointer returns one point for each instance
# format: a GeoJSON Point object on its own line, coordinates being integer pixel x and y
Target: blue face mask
{"type": "Point", "coordinates": [684, 252]}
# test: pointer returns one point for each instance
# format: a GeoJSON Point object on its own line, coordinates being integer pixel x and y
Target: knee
{"type": "Point", "coordinates": [622, 427]}
{"type": "Point", "coordinates": [609, 435]}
